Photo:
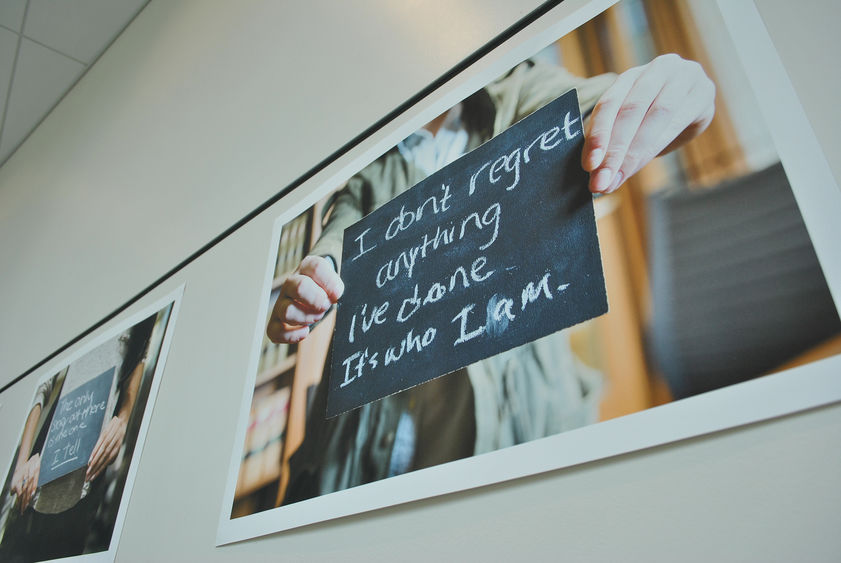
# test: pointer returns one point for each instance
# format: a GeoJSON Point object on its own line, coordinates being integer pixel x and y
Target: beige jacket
{"type": "Point", "coordinates": [526, 393]}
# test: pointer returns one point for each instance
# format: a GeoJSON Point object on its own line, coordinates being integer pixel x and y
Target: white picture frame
{"type": "Point", "coordinates": [805, 387]}
{"type": "Point", "coordinates": [171, 301]}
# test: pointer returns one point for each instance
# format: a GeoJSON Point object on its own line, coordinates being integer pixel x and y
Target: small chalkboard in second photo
{"type": "Point", "coordinates": [75, 428]}
{"type": "Point", "coordinates": [493, 251]}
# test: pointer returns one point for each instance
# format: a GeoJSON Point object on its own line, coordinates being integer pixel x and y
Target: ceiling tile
{"type": "Point", "coordinates": [11, 13]}
{"type": "Point", "coordinates": [42, 76]}
{"type": "Point", "coordinates": [79, 28]}
{"type": "Point", "coordinates": [8, 49]}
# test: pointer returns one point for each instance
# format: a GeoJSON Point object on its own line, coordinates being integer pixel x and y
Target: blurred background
{"type": "Point", "coordinates": [710, 271]}
{"type": "Point", "coordinates": [711, 274]}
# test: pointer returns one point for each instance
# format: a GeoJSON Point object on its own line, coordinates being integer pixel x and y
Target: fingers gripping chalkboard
{"type": "Point", "coordinates": [495, 250]}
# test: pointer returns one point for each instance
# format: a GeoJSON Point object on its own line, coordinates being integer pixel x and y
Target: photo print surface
{"type": "Point", "coordinates": [710, 274]}
{"type": "Point", "coordinates": [439, 277]}
{"type": "Point", "coordinates": [66, 492]}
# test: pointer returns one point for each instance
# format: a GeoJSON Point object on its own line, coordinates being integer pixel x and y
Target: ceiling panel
{"type": "Point", "coordinates": [63, 38]}
{"type": "Point", "coordinates": [42, 76]}
{"type": "Point", "coordinates": [11, 13]}
{"type": "Point", "coordinates": [79, 28]}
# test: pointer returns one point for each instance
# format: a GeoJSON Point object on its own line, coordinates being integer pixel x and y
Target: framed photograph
{"type": "Point", "coordinates": [66, 491]}
{"type": "Point", "coordinates": [719, 269]}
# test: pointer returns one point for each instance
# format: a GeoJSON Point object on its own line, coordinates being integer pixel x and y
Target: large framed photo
{"type": "Point", "coordinates": [717, 258]}
{"type": "Point", "coordinates": [70, 477]}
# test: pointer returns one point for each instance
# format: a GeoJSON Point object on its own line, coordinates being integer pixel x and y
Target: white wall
{"type": "Point", "coordinates": [201, 111]}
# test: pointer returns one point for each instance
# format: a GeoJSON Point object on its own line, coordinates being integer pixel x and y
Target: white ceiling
{"type": "Point", "coordinates": [45, 48]}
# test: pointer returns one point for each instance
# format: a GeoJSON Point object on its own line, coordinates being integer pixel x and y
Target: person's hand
{"type": "Point", "coordinates": [25, 481]}
{"type": "Point", "coordinates": [649, 110]}
{"type": "Point", "coordinates": [107, 447]}
{"type": "Point", "coordinates": [304, 298]}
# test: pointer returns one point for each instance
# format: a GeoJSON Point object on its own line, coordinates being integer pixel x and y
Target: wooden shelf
{"type": "Point", "coordinates": [255, 486]}
{"type": "Point", "coordinates": [286, 364]}
{"type": "Point", "coordinates": [298, 371]}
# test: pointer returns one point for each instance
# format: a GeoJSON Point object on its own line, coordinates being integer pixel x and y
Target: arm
{"type": "Point", "coordinates": [646, 111]}
{"type": "Point", "coordinates": [315, 285]}
{"type": "Point", "coordinates": [111, 438]}
{"type": "Point", "coordinates": [27, 469]}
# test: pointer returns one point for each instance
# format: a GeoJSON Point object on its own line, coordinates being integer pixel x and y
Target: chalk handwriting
{"type": "Point", "coordinates": [499, 312]}
{"type": "Point", "coordinates": [472, 261]}
{"type": "Point", "coordinates": [405, 219]}
{"type": "Point", "coordinates": [406, 260]}
{"type": "Point", "coordinates": [510, 163]}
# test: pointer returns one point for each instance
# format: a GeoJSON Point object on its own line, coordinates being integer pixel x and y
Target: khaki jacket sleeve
{"type": "Point", "coordinates": [342, 212]}
{"type": "Point", "coordinates": [533, 84]}
{"type": "Point", "coordinates": [523, 90]}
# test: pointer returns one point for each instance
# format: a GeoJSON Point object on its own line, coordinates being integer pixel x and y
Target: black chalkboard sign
{"type": "Point", "coordinates": [495, 250]}
{"type": "Point", "coordinates": [75, 428]}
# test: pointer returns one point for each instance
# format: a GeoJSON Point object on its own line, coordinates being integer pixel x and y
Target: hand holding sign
{"type": "Point", "coordinates": [648, 111]}
{"type": "Point", "coordinates": [107, 447]}
{"type": "Point", "coordinates": [304, 298]}
{"type": "Point", "coordinates": [492, 251]}
{"type": "Point", "coordinates": [25, 481]}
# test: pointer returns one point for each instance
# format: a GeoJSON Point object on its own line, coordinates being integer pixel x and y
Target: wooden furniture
{"type": "Point", "coordinates": [285, 376]}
